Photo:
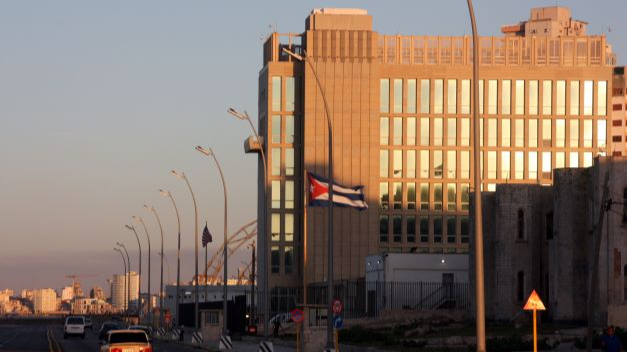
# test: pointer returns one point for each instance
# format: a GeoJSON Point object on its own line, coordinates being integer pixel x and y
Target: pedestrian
{"type": "Point", "coordinates": [609, 341]}
{"type": "Point", "coordinates": [182, 335]}
{"type": "Point", "coordinates": [277, 326]}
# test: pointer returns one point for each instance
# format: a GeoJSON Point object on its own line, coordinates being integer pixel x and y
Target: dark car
{"type": "Point", "coordinates": [106, 327]}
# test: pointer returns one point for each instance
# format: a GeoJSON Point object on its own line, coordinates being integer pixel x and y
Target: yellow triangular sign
{"type": "Point", "coordinates": [534, 302]}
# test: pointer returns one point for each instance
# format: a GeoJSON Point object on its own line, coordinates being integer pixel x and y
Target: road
{"type": "Point", "coordinates": [23, 338]}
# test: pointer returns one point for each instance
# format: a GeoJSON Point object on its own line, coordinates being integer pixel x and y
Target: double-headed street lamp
{"type": "Point", "coordinates": [152, 209]}
{"type": "Point", "coordinates": [178, 253]}
{"type": "Point", "coordinates": [264, 244]}
{"type": "Point", "coordinates": [183, 177]}
{"type": "Point", "coordinates": [125, 298]}
{"type": "Point", "coordinates": [140, 220]}
{"type": "Point", "coordinates": [209, 152]}
{"type": "Point", "coordinates": [128, 278]}
{"type": "Point", "coordinates": [139, 288]}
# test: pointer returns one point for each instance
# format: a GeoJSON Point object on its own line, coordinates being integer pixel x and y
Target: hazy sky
{"type": "Point", "coordinates": [100, 99]}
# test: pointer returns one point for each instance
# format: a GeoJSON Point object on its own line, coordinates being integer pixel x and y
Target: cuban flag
{"type": "Point", "coordinates": [342, 196]}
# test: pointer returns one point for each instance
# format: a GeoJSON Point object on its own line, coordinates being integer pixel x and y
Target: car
{"type": "Point", "coordinates": [106, 327]}
{"type": "Point", "coordinates": [126, 340]}
{"type": "Point", "coordinates": [143, 328]}
{"type": "Point", "coordinates": [89, 324]}
{"type": "Point", "coordinates": [74, 325]}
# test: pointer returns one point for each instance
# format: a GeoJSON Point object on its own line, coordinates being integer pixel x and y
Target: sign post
{"type": "Point", "coordinates": [534, 303]}
{"type": "Point", "coordinates": [338, 321]}
{"type": "Point", "coordinates": [297, 317]}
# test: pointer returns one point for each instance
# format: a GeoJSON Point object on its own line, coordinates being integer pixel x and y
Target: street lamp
{"type": "Point", "coordinates": [139, 288]}
{"type": "Point", "coordinates": [183, 177]}
{"type": "Point", "coordinates": [305, 58]}
{"type": "Point", "coordinates": [128, 279]}
{"type": "Point", "coordinates": [209, 152]}
{"type": "Point", "coordinates": [178, 252]}
{"type": "Point", "coordinates": [125, 299]}
{"type": "Point", "coordinates": [264, 244]}
{"type": "Point", "coordinates": [167, 265]}
{"type": "Point", "coordinates": [140, 220]}
{"type": "Point", "coordinates": [152, 209]}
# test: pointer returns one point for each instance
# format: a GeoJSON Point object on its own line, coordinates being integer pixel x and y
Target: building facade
{"type": "Point", "coordinates": [90, 306]}
{"type": "Point", "coordinates": [619, 113]}
{"type": "Point", "coordinates": [119, 292]}
{"type": "Point", "coordinates": [400, 106]}
{"type": "Point", "coordinates": [98, 293]}
{"type": "Point", "coordinates": [67, 293]}
{"type": "Point", "coordinates": [44, 301]}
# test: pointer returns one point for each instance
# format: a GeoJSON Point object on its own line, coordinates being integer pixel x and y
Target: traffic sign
{"type": "Point", "coordinates": [338, 307]}
{"type": "Point", "coordinates": [338, 321]}
{"type": "Point", "coordinates": [534, 302]}
{"type": "Point", "coordinates": [297, 316]}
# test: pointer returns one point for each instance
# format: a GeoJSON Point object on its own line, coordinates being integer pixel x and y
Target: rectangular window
{"type": "Point", "coordinates": [384, 97]}
{"type": "Point", "coordinates": [398, 131]}
{"type": "Point", "coordinates": [505, 165]}
{"type": "Point", "coordinates": [384, 228]}
{"type": "Point", "coordinates": [451, 229]}
{"type": "Point", "coordinates": [384, 131]}
{"type": "Point", "coordinates": [465, 96]}
{"type": "Point", "coordinates": [547, 97]}
{"type": "Point", "coordinates": [520, 97]}
{"type": "Point", "coordinates": [275, 228]}
{"type": "Point", "coordinates": [289, 161]}
{"type": "Point", "coordinates": [275, 259]}
{"type": "Point", "coordinates": [492, 96]}
{"type": "Point", "coordinates": [587, 159]}
{"type": "Point", "coordinates": [397, 228]}
{"type": "Point", "coordinates": [465, 229]}
{"type": "Point", "coordinates": [289, 194]}
{"type": "Point", "coordinates": [438, 96]}
{"type": "Point", "coordinates": [465, 133]}
{"type": "Point", "coordinates": [601, 133]}
{"type": "Point", "coordinates": [481, 135]}
{"type": "Point", "coordinates": [424, 164]}
{"type": "Point", "coordinates": [546, 133]}
{"type": "Point", "coordinates": [384, 163]}
{"type": "Point", "coordinates": [289, 129]}
{"type": "Point", "coordinates": [560, 98]}
{"type": "Point", "coordinates": [452, 96]}
{"type": "Point", "coordinates": [481, 95]}
{"type": "Point", "coordinates": [587, 133]}
{"type": "Point", "coordinates": [451, 131]}
{"type": "Point", "coordinates": [533, 165]}
{"type": "Point", "coordinates": [276, 93]}
{"type": "Point", "coordinates": [276, 128]}
{"type": "Point", "coordinates": [492, 165]}
{"type": "Point", "coordinates": [587, 97]}
{"type": "Point", "coordinates": [533, 97]}
{"type": "Point", "coordinates": [437, 229]}
{"type": "Point", "coordinates": [397, 163]}
{"type": "Point", "coordinates": [411, 96]}
{"type": "Point", "coordinates": [574, 133]}
{"type": "Point", "coordinates": [438, 131]}
{"type": "Point", "coordinates": [424, 229]}
{"type": "Point", "coordinates": [276, 161]}
{"type": "Point", "coordinates": [519, 165]}
{"type": "Point", "coordinates": [411, 228]}
{"type": "Point", "coordinates": [465, 165]}
{"type": "Point", "coordinates": [438, 165]}
{"type": "Point", "coordinates": [424, 131]}
{"type": "Point", "coordinates": [424, 196]}
{"type": "Point", "coordinates": [276, 194]}
{"type": "Point", "coordinates": [289, 227]}
{"type": "Point", "coordinates": [384, 195]}
{"type": "Point", "coordinates": [506, 93]}
{"type": "Point", "coordinates": [602, 98]}
{"type": "Point", "coordinates": [520, 133]}
{"type": "Point", "coordinates": [411, 195]}
{"type": "Point", "coordinates": [574, 97]}
{"type": "Point", "coordinates": [560, 160]}
{"type": "Point", "coordinates": [574, 159]}
{"type": "Point", "coordinates": [506, 132]}
{"type": "Point", "coordinates": [437, 196]}
{"type": "Point", "coordinates": [546, 165]}
{"type": "Point", "coordinates": [398, 95]}
{"type": "Point", "coordinates": [492, 132]}
{"type": "Point", "coordinates": [560, 133]}
{"type": "Point", "coordinates": [288, 256]}
{"type": "Point", "coordinates": [424, 96]}
{"type": "Point", "coordinates": [411, 130]}
{"type": "Point", "coordinates": [411, 164]}
{"type": "Point", "coordinates": [289, 93]}
{"type": "Point", "coordinates": [533, 133]}
{"type": "Point", "coordinates": [465, 196]}
{"type": "Point", "coordinates": [451, 164]}
{"type": "Point", "coordinates": [397, 188]}
{"type": "Point", "coordinates": [451, 196]}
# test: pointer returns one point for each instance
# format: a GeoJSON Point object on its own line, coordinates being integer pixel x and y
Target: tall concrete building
{"type": "Point", "coordinates": [67, 294]}
{"type": "Point", "coordinates": [44, 300]}
{"type": "Point", "coordinates": [119, 291]}
{"type": "Point", "coordinates": [401, 112]}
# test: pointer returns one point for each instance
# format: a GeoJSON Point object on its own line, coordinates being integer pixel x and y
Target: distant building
{"type": "Point", "coordinates": [119, 292]}
{"type": "Point", "coordinates": [67, 294]}
{"type": "Point", "coordinates": [91, 306]}
{"type": "Point", "coordinates": [553, 21]}
{"type": "Point", "coordinates": [5, 295]}
{"type": "Point", "coordinates": [98, 293]}
{"type": "Point", "coordinates": [27, 294]}
{"type": "Point", "coordinates": [44, 301]}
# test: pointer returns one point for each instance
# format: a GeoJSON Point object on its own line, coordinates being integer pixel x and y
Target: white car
{"type": "Point", "coordinates": [126, 341]}
{"type": "Point", "coordinates": [74, 326]}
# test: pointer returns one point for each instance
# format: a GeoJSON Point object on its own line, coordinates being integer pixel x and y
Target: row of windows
{"type": "Point", "coordinates": [551, 100]}
{"type": "Point", "coordinates": [275, 162]}
{"type": "Point", "coordinates": [440, 131]}
{"type": "Point", "coordinates": [290, 93]}
{"type": "Point", "coordinates": [282, 129]}
{"type": "Point", "coordinates": [430, 197]}
{"type": "Point", "coordinates": [425, 229]}
{"type": "Point", "coordinates": [440, 164]}
{"type": "Point", "coordinates": [282, 256]}
{"type": "Point", "coordinates": [288, 194]}
{"type": "Point", "coordinates": [287, 227]}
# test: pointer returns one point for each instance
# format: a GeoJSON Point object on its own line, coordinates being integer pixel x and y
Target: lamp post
{"type": "Point", "coordinates": [152, 209]}
{"type": "Point", "coordinates": [209, 152]}
{"type": "Point", "coordinates": [128, 279]}
{"type": "Point", "coordinates": [167, 265]}
{"type": "Point", "coordinates": [182, 176]}
{"type": "Point", "coordinates": [305, 58]}
{"type": "Point", "coordinates": [125, 299]}
{"type": "Point", "coordinates": [264, 244]}
{"type": "Point", "coordinates": [140, 220]}
{"type": "Point", "coordinates": [178, 252]}
{"type": "Point", "coordinates": [139, 288]}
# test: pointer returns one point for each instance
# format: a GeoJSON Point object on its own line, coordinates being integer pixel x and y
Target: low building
{"type": "Point", "coordinates": [214, 294]}
{"type": "Point", "coordinates": [98, 293]}
{"type": "Point", "coordinates": [90, 306]}
{"type": "Point", "coordinates": [67, 294]}
{"type": "Point", "coordinates": [5, 295]}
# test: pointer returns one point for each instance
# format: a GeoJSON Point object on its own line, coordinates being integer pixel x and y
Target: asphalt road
{"type": "Point", "coordinates": [23, 338]}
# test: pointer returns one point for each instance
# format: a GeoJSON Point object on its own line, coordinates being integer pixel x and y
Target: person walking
{"type": "Point", "coordinates": [610, 342]}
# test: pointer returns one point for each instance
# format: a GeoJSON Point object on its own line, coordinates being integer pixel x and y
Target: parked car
{"type": "Point", "coordinates": [126, 340]}
{"type": "Point", "coordinates": [89, 324]}
{"type": "Point", "coordinates": [143, 328]}
{"type": "Point", "coordinates": [106, 327]}
{"type": "Point", "coordinates": [74, 325]}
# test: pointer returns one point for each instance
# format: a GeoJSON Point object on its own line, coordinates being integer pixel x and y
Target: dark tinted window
{"type": "Point", "coordinates": [75, 320]}
{"type": "Point", "coordinates": [123, 337]}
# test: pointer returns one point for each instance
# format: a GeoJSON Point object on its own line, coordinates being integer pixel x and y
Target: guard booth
{"type": "Point", "coordinates": [211, 316]}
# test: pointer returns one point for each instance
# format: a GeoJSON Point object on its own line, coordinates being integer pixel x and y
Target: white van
{"type": "Point", "coordinates": [74, 326]}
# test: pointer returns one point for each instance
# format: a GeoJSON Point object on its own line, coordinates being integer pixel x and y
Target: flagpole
{"type": "Point", "coordinates": [305, 258]}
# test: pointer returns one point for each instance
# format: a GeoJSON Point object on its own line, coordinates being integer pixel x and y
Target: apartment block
{"type": "Point", "coordinates": [44, 300]}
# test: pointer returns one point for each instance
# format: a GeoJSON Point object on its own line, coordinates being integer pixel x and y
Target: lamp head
{"type": "Point", "coordinates": [294, 55]}
{"type": "Point", "coordinates": [164, 193]}
{"type": "Point", "coordinates": [178, 175]}
{"type": "Point", "coordinates": [148, 208]}
{"type": "Point", "coordinates": [237, 114]}
{"type": "Point", "coordinates": [204, 150]}
{"type": "Point", "coordinates": [137, 218]}
{"type": "Point", "coordinates": [130, 227]}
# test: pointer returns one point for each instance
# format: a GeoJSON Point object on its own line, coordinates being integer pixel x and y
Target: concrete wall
{"type": "Point", "coordinates": [414, 267]}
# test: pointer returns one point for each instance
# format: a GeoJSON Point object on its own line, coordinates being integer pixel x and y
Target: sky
{"type": "Point", "coordinates": [99, 100]}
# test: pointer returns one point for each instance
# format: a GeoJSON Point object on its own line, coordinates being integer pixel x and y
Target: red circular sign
{"type": "Point", "coordinates": [297, 316]}
{"type": "Point", "coordinates": [338, 306]}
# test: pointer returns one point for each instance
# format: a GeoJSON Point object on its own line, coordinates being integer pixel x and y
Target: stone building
{"type": "Point", "coordinates": [543, 238]}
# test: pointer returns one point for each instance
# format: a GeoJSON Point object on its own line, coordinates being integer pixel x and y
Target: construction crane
{"type": "Point", "coordinates": [241, 276]}
{"type": "Point", "coordinates": [76, 285]}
